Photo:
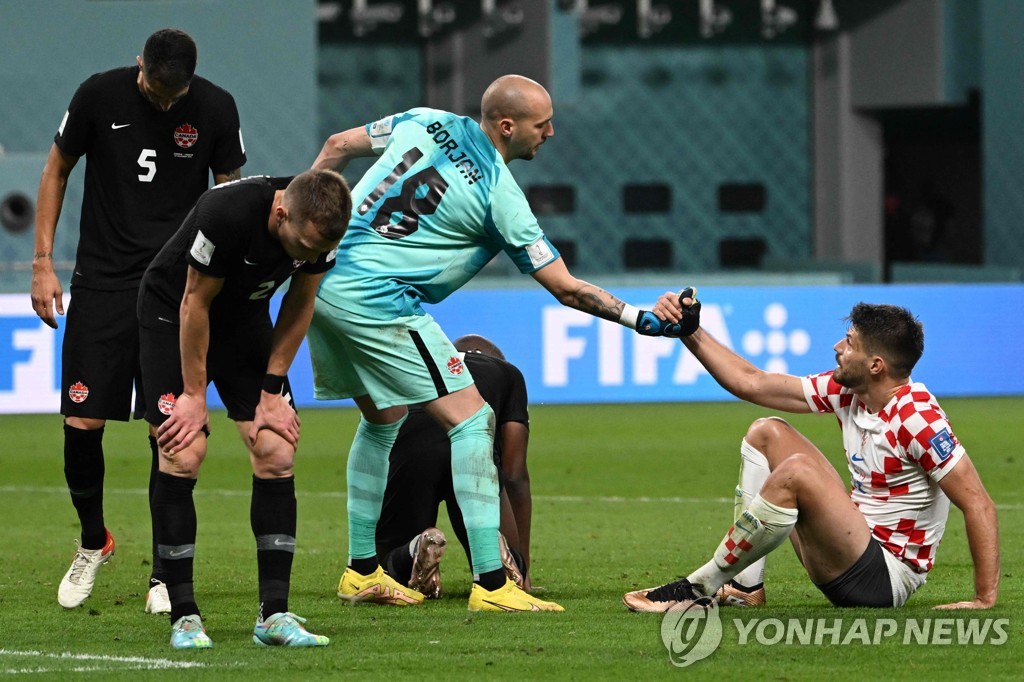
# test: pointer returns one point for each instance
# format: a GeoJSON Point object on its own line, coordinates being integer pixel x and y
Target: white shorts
{"type": "Point", "coordinates": [905, 580]}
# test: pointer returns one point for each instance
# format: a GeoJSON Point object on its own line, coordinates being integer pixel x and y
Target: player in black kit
{"type": "Point", "coordinates": [420, 478]}
{"type": "Point", "coordinates": [151, 134]}
{"type": "Point", "coordinates": [204, 315]}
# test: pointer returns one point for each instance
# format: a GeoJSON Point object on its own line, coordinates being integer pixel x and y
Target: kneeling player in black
{"type": "Point", "coordinates": [420, 478]}
{"type": "Point", "coordinates": [204, 312]}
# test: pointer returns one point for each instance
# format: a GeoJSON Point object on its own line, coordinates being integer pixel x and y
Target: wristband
{"type": "Point", "coordinates": [273, 383]}
{"type": "Point", "coordinates": [630, 316]}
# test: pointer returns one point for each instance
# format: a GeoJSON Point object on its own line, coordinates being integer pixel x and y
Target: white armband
{"type": "Point", "coordinates": [630, 316]}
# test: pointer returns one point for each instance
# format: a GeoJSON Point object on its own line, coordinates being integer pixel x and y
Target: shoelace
{"type": "Point", "coordinates": [78, 566]}
{"type": "Point", "coordinates": [680, 590]}
{"type": "Point", "coordinates": [289, 626]}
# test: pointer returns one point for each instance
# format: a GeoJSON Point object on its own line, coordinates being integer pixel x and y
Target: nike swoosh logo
{"type": "Point", "coordinates": [278, 543]}
{"type": "Point", "coordinates": [184, 551]}
{"type": "Point", "coordinates": [115, 126]}
{"type": "Point", "coordinates": [249, 262]}
{"type": "Point", "coordinates": [164, 319]}
{"type": "Point", "coordinates": [533, 607]}
{"type": "Point", "coordinates": [856, 458]}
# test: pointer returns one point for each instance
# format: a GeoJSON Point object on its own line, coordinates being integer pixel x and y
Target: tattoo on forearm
{"type": "Point", "coordinates": [598, 302]}
{"type": "Point", "coordinates": [234, 175]}
{"type": "Point", "coordinates": [40, 255]}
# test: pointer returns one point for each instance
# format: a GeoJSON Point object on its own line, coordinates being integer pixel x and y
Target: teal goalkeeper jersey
{"type": "Point", "coordinates": [436, 207]}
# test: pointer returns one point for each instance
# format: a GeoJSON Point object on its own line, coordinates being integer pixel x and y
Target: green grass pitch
{"type": "Point", "coordinates": [625, 496]}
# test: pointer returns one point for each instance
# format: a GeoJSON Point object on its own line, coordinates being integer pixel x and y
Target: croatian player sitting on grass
{"type": "Point", "coordinates": [874, 543]}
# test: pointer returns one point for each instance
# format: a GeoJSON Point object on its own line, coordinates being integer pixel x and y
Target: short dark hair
{"type": "Point", "coordinates": [474, 343]}
{"type": "Point", "coordinates": [322, 197]}
{"type": "Point", "coordinates": [169, 57]}
{"type": "Point", "coordinates": [892, 332]}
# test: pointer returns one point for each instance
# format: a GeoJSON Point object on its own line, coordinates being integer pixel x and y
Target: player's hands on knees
{"type": "Point", "coordinates": [187, 420]}
{"type": "Point", "coordinates": [275, 413]}
{"type": "Point", "coordinates": [47, 294]}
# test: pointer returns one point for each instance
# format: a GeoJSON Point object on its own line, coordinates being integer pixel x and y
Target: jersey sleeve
{"type": "Point", "coordinates": [229, 150]}
{"type": "Point", "coordinates": [824, 395]}
{"type": "Point", "coordinates": [928, 439]}
{"type": "Point", "coordinates": [516, 404]}
{"type": "Point", "coordinates": [380, 131]}
{"type": "Point", "coordinates": [75, 133]}
{"type": "Point", "coordinates": [214, 244]}
{"type": "Point", "coordinates": [512, 222]}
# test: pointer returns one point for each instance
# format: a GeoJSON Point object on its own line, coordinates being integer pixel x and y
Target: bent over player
{"type": "Point", "coordinates": [435, 208]}
{"type": "Point", "coordinates": [204, 313]}
{"type": "Point", "coordinates": [151, 134]}
{"type": "Point", "coordinates": [409, 545]}
{"type": "Point", "coordinates": [874, 544]}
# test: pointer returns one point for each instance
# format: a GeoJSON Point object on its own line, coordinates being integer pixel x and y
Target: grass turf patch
{"type": "Point", "coordinates": [626, 496]}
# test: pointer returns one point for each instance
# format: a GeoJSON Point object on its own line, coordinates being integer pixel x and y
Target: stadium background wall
{"type": "Point", "coordinates": [668, 123]}
{"type": "Point", "coordinates": [971, 342]}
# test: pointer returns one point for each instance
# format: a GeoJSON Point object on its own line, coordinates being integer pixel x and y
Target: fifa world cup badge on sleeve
{"type": "Point", "coordinates": [943, 443]}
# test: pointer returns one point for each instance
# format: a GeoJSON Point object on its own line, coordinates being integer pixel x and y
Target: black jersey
{"type": "Point", "coordinates": [145, 168]}
{"type": "Point", "coordinates": [226, 235]}
{"type": "Point", "coordinates": [501, 385]}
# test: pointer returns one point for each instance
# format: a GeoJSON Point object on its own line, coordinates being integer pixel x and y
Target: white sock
{"type": "Point", "coordinates": [761, 528]}
{"type": "Point", "coordinates": [753, 472]}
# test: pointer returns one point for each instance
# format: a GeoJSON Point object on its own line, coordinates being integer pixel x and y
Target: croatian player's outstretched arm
{"type": "Point", "coordinates": [274, 412]}
{"type": "Point", "coordinates": [743, 379]}
{"type": "Point", "coordinates": [190, 414]}
{"type": "Point", "coordinates": [340, 148]}
{"type": "Point", "coordinates": [964, 488]}
{"type": "Point", "coordinates": [46, 289]}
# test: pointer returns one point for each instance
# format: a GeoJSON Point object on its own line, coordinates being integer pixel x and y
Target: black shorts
{"type": "Point", "coordinates": [235, 363]}
{"type": "Point", "coordinates": [419, 480]}
{"type": "Point", "coordinates": [866, 583]}
{"type": "Point", "coordinates": [100, 356]}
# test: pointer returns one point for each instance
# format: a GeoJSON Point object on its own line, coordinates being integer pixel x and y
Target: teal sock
{"type": "Point", "coordinates": [475, 479]}
{"type": "Point", "coordinates": [367, 473]}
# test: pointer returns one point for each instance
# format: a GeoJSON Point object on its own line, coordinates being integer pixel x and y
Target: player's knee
{"type": "Point", "coordinates": [184, 464]}
{"type": "Point", "coordinates": [272, 457]}
{"type": "Point", "coordinates": [766, 430]}
{"type": "Point", "coordinates": [797, 470]}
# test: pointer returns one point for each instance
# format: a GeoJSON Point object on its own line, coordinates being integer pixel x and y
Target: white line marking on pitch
{"type": "Point", "coordinates": [613, 499]}
{"type": "Point", "coordinates": [137, 662]}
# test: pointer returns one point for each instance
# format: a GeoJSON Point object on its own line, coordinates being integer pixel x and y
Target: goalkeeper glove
{"type": "Point", "coordinates": [649, 324]}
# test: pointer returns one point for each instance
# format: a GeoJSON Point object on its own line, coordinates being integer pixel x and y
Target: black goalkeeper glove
{"type": "Point", "coordinates": [691, 313]}
{"type": "Point", "coordinates": [649, 324]}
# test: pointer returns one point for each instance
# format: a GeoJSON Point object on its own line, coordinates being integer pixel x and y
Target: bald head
{"type": "Point", "coordinates": [516, 115]}
{"type": "Point", "coordinates": [474, 343]}
{"type": "Point", "coordinates": [512, 97]}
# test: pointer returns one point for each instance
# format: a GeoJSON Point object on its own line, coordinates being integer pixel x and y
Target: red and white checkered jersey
{"type": "Point", "coordinates": [896, 458]}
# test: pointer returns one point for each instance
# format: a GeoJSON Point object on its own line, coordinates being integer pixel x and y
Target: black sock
{"type": "Point", "coordinates": [364, 566]}
{"type": "Point", "coordinates": [492, 580]}
{"type": "Point", "coordinates": [272, 515]}
{"type": "Point", "coordinates": [174, 516]}
{"type": "Point", "coordinates": [156, 575]}
{"type": "Point", "coordinates": [398, 564]}
{"type": "Point", "coordinates": [83, 471]}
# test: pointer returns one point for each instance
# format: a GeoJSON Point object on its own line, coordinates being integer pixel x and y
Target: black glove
{"type": "Point", "coordinates": [649, 324]}
{"type": "Point", "coordinates": [691, 314]}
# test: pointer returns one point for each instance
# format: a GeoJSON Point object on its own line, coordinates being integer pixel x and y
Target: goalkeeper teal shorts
{"type": "Point", "coordinates": [401, 361]}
